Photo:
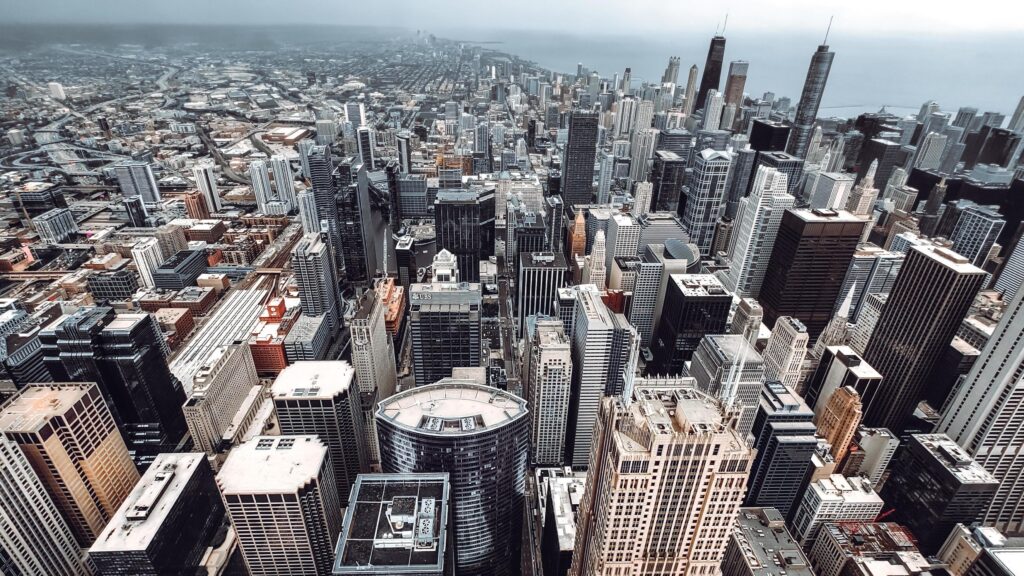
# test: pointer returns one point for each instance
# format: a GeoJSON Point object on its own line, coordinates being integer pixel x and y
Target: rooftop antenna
{"type": "Point", "coordinates": [829, 29]}
{"type": "Point", "coordinates": [726, 22]}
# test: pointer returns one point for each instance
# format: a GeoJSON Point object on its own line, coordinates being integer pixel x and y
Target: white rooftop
{"type": "Point", "coordinates": [272, 465]}
{"type": "Point", "coordinates": [313, 378]}
{"type": "Point", "coordinates": [473, 407]}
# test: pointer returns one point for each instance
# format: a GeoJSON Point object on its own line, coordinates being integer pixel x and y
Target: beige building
{"type": "Point", "coordinates": [68, 435]}
{"type": "Point", "coordinates": [667, 476]}
{"type": "Point", "coordinates": [839, 420]}
{"type": "Point", "coordinates": [220, 388]}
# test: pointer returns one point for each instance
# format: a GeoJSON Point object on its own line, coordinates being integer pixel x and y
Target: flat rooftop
{"type": "Point", "coordinates": [954, 459]}
{"type": "Point", "coordinates": [155, 495]}
{"type": "Point", "coordinates": [36, 405]}
{"type": "Point", "coordinates": [313, 379]}
{"type": "Point", "coordinates": [272, 465]}
{"type": "Point", "coordinates": [452, 407]}
{"type": "Point", "coordinates": [394, 524]}
{"type": "Point", "coordinates": [767, 545]}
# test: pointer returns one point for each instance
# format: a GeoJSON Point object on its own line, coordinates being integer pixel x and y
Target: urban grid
{"type": "Point", "coordinates": [419, 306]}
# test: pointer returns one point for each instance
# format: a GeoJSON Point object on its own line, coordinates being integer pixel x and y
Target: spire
{"type": "Point", "coordinates": [844, 308]}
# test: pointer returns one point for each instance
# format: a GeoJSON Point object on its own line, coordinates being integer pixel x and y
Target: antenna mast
{"type": "Point", "coordinates": [829, 29]}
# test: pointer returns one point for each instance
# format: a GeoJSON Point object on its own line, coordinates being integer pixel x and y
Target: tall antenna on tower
{"type": "Point", "coordinates": [829, 29]}
{"type": "Point", "coordinates": [726, 23]}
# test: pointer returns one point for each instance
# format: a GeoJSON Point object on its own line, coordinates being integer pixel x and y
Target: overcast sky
{"type": "Point", "coordinates": [917, 17]}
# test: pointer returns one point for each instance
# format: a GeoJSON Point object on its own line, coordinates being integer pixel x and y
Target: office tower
{"type": "Point", "coordinates": [113, 285]}
{"type": "Point", "coordinates": [877, 447]}
{"type": "Point", "coordinates": [791, 166]}
{"type": "Point", "coordinates": [830, 500]}
{"type": "Point", "coordinates": [55, 226]}
{"type": "Point", "coordinates": [578, 164]}
{"type": "Point", "coordinates": [932, 294]}
{"type": "Point", "coordinates": [547, 383]}
{"type": "Point", "coordinates": [33, 535]}
{"type": "Point", "coordinates": [827, 190]}
{"type": "Point", "coordinates": [220, 387]}
{"type": "Point", "coordinates": [784, 354]}
{"type": "Point", "coordinates": [480, 436]}
{"type": "Point", "coordinates": [625, 117]}
{"type": "Point", "coordinates": [167, 522]}
{"type": "Point", "coordinates": [457, 220]}
{"type": "Point", "coordinates": [578, 235]}
{"type": "Point", "coordinates": [839, 420]}
{"type": "Point", "coordinates": [444, 327]}
{"type": "Point", "coordinates": [326, 131]}
{"type": "Point", "coordinates": [136, 178]}
{"type": "Point", "coordinates": [69, 437]}
{"type": "Point", "coordinates": [868, 547]}
{"type": "Point", "coordinates": [641, 151]}
{"type": "Point", "coordinates": [784, 440]}
{"type": "Point", "coordinates": [642, 193]}
{"type": "Point", "coordinates": [206, 182]}
{"type": "Point", "coordinates": [691, 91]}
{"type": "Point", "coordinates": [56, 90]}
{"type": "Point", "coordinates": [284, 182]}
{"type": "Point", "coordinates": [712, 76]}
{"type": "Point", "coordinates": [195, 207]}
{"type": "Point", "coordinates": [757, 223]}
{"type": "Point", "coordinates": [353, 213]}
{"type": "Point", "coordinates": [714, 104]}
{"type": "Point", "coordinates": [768, 135]}
{"type": "Point", "coordinates": [594, 271]}
{"type": "Point", "coordinates": [280, 494]}
{"type": "Point", "coordinates": [647, 293]}
{"type": "Point", "coordinates": [306, 204]}
{"type": "Point", "coordinates": [929, 151]}
{"type": "Point", "coordinates": [303, 147]}
{"type": "Point", "coordinates": [125, 355]}
{"type": "Point", "coordinates": [976, 230]}
{"type": "Point", "coordinates": [727, 367]}
{"type": "Point", "coordinates": [314, 275]}
{"type": "Point", "coordinates": [623, 237]}
{"type": "Point", "coordinates": [760, 544]}
{"type": "Point", "coordinates": [810, 100]}
{"type": "Point", "coordinates": [325, 190]}
{"type": "Point", "coordinates": [541, 274]}
{"type": "Point", "coordinates": [735, 82]}
{"type": "Point", "coordinates": [396, 524]}
{"type": "Point", "coordinates": [367, 141]}
{"type": "Point", "coordinates": [605, 351]}
{"type": "Point", "coordinates": [861, 201]}
{"type": "Point", "coordinates": [138, 216]}
{"type": "Point", "coordinates": [746, 319]}
{"type": "Point", "coordinates": [841, 367]}
{"type": "Point", "coordinates": [555, 219]}
{"type": "Point", "coordinates": [321, 398]}
{"type": "Point", "coordinates": [671, 71]}
{"type": "Point", "coordinates": [983, 416]}
{"type": "Point", "coordinates": [373, 357]}
{"type": "Point", "coordinates": [147, 257]}
{"type": "Point", "coordinates": [934, 485]}
{"type": "Point", "coordinates": [811, 253]}
{"type": "Point", "coordinates": [679, 444]}
{"type": "Point", "coordinates": [695, 305]}
{"type": "Point", "coordinates": [705, 194]}
{"type": "Point", "coordinates": [180, 270]}
{"type": "Point", "coordinates": [355, 112]}
{"type": "Point", "coordinates": [1010, 278]}
{"type": "Point", "coordinates": [667, 179]}
{"type": "Point", "coordinates": [872, 270]}
{"type": "Point", "coordinates": [886, 152]}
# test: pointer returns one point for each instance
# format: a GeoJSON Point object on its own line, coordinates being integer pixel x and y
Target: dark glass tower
{"type": "Point", "coordinates": [712, 77]}
{"type": "Point", "coordinates": [578, 170]}
{"type": "Point", "coordinates": [325, 189]}
{"type": "Point", "coordinates": [457, 221]}
{"type": "Point", "coordinates": [695, 305]}
{"type": "Point", "coordinates": [810, 100]}
{"type": "Point", "coordinates": [480, 436]}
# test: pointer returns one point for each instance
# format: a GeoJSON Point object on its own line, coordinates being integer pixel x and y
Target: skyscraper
{"type": "Point", "coordinates": [811, 253]}
{"type": "Point", "coordinates": [325, 190]}
{"type": "Point", "coordinates": [279, 492]}
{"type": "Point", "coordinates": [833, 499]}
{"type": "Point", "coordinates": [321, 398]}
{"type": "Point", "coordinates": [206, 181]}
{"type": "Point", "coordinates": [366, 139]}
{"type": "Point", "coordinates": [457, 220]}
{"type": "Point", "coordinates": [220, 387]}
{"type": "Point", "coordinates": [735, 83]}
{"type": "Point", "coordinates": [578, 165]}
{"type": "Point", "coordinates": [68, 436]}
{"type": "Point", "coordinates": [695, 305]}
{"type": "Point", "coordinates": [691, 91]}
{"type": "Point", "coordinates": [314, 274]}
{"type": "Point", "coordinates": [839, 420]}
{"type": "Point", "coordinates": [932, 294]}
{"type": "Point", "coordinates": [664, 453]}
{"type": "Point", "coordinates": [444, 327]}
{"type": "Point", "coordinates": [136, 179]}
{"type": "Point", "coordinates": [541, 274]}
{"type": "Point", "coordinates": [712, 77]}
{"type": "Point", "coordinates": [785, 351]}
{"type": "Point", "coordinates": [810, 100]}
{"type": "Point", "coordinates": [727, 367]}
{"type": "Point", "coordinates": [976, 230]}
{"type": "Point", "coordinates": [547, 384]}
{"type": "Point", "coordinates": [704, 195]}
{"type": "Point", "coordinates": [373, 357]}
{"type": "Point", "coordinates": [841, 367]}
{"type": "Point", "coordinates": [480, 436]}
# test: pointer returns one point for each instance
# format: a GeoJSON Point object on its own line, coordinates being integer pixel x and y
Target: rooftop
{"type": "Point", "coordinates": [699, 285]}
{"type": "Point", "coordinates": [565, 494]}
{"type": "Point", "coordinates": [396, 522]}
{"type": "Point", "coordinates": [954, 459]}
{"type": "Point", "coordinates": [767, 545]}
{"type": "Point", "coordinates": [452, 407]}
{"type": "Point", "coordinates": [36, 405]}
{"type": "Point", "coordinates": [313, 379]}
{"type": "Point", "coordinates": [155, 495]}
{"type": "Point", "coordinates": [272, 465]}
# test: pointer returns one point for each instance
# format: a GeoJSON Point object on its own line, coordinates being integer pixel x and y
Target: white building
{"type": "Point", "coordinates": [219, 390]}
{"type": "Point", "coordinates": [547, 383]}
{"type": "Point", "coordinates": [834, 499]}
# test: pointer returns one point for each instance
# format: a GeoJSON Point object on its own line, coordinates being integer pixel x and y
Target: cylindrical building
{"type": "Point", "coordinates": [480, 436]}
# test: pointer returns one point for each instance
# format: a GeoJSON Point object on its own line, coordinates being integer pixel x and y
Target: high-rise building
{"type": "Point", "coordinates": [284, 181]}
{"type": "Point", "coordinates": [68, 436]}
{"type": "Point", "coordinates": [646, 507]}
{"type": "Point", "coordinates": [735, 83]}
{"type": "Point", "coordinates": [784, 438]}
{"type": "Point", "coordinates": [55, 226]}
{"type": "Point", "coordinates": [578, 164]}
{"type": "Point", "coordinates": [373, 357]}
{"type": "Point", "coordinates": [480, 436]}
{"type": "Point", "coordinates": [444, 327]}
{"type": "Point", "coordinates": [458, 217]}
{"type": "Point", "coordinates": [206, 182]}
{"type": "Point", "coordinates": [839, 420]}
{"type": "Point", "coordinates": [167, 522]}
{"type": "Point", "coordinates": [872, 270]}
{"type": "Point", "coordinates": [976, 230]}
{"type": "Point", "coordinates": [667, 178]}
{"type": "Point", "coordinates": [727, 367]}
{"type": "Point", "coordinates": [761, 544]}
{"type": "Point", "coordinates": [704, 195]}
{"type": "Point", "coordinates": [314, 275]}
{"type": "Point", "coordinates": [810, 100]}
{"type": "Point", "coordinates": [757, 224]}
{"type": "Point", "coordinates": [933, 485]}
{"type": "Point", "coordinates": [785, 351]}
{"type": "Point", "coordinates": [714, 104]}
{"type": "Point", "coordinates": [695, 305]}
{"type": "Point", "coordinates": [833, 499]}
{"type": "Point", "coordinates": [396, 524]}
{"type": "Point", "coordinates": [605, 351]}
{"type": "Point", "coordinates": [712, 77]}
{"type": "Point", "coordinates": [841, 367]}
{"type": "Point", "coordinates": [219, 389]}
{"type": "Point", "coordinates": [768, 135]}
{"type": "Point", "coordinates": [366, 139]}
{"type": "Point", "coordinates": [321, 398]}
{"type": "Point", "coordinates": [280, 495]}
{"type": "Point", "coordinates": [547, 384]}
{"type": "Point", "coordinates": [983, 416]}
{"type": "Point", "coordinates": [811, 253]}
{"type": "Point", "coordinates": [541, 274]}
{"type": "Point", "coordinates": [34, 537]}
{"type": "Point", "coordinates": [932, 294]}
{"type": "Point", "coordinates": [865, 547]}
{"type": "Point", "coordinates": [827, 190]}
{"type": "Point", "coordinates": [136, 178]}
{"type": "Point", "coordinates": [861, 201]}
{"type": "Point", "coordinates": [147, 257]}
{"type": "Point", "coordinates": [641, 152]}
{"type": "Point", "coordinates": [788, 164]}
{"type": "Point", "coordinates": [322, 173]}
{"type": "Point", "coordinates": [746, 320]}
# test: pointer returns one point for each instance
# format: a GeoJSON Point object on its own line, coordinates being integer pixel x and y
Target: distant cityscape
{"type": "Point", "coordinates": [399, 304]}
